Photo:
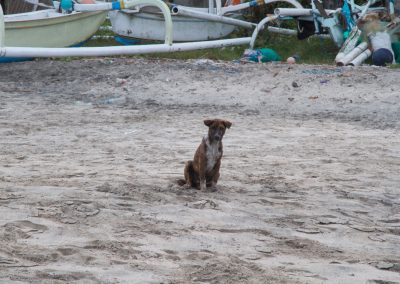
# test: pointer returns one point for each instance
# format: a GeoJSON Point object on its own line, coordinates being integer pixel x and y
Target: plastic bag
{"type": "Point", "coordinates": [261, 55]}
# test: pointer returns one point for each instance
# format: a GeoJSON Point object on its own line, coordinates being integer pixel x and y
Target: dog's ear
{"type": "Point", "coordinates": [208, 122]}
{"type": "Point", "coordinates": [227, 124]}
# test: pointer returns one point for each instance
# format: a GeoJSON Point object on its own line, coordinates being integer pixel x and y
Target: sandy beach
{"type": "Point", "coordinates": [91, 150]}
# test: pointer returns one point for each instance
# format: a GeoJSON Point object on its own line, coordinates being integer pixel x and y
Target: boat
{"type": "Point", "coordinates": [50, 28]}
{"type": "Point", "coordinates": [148, 23]}
{"type": "Point", "coordinates": [167, 46]}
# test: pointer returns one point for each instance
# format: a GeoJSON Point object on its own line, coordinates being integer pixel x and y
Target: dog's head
{"type": "Point", "coordinates": [216, 128]}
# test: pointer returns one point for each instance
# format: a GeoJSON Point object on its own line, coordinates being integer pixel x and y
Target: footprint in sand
{"type": "Point", "coordinates": [20, 230]}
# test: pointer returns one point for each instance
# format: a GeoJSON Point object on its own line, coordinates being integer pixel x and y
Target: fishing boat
{"type": "Point", "coordinates": [167, 46]}
{"type": "Point", "coordinates": [148, 23]}
{"type": "Point", "coordinates": [50, 28]}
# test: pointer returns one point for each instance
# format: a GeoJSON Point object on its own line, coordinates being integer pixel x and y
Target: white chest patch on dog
{"type": "Point", "coordinates": [213, 154]}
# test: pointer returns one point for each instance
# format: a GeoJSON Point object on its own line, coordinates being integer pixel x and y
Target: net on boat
{"type": "Point", "coordinates": [23, 6]}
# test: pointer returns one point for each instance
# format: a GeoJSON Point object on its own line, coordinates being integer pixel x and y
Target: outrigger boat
{"type": "Point", "coordinates": [193, 20]}
{"type": "Point", "coordinates": [49, 27]}
{"type": "Point", "coordinates": [167, 46]}
{"type": "Point", "coordinates": [148, 23]}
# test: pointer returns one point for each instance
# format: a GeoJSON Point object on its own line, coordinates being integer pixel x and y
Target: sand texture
{"type": "Point", "coordinates": [91, 150]}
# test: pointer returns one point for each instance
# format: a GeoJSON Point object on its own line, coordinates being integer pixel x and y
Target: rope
{"type": "Point", "coordinates": [37, 3]}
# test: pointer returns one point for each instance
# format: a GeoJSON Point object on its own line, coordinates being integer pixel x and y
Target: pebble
{"type": "Point", "coordinates": [264, 250]}
{"type": "Point", "coordinates": [308, 230]}
{"type": "Point", "coordinates": [384, 265]}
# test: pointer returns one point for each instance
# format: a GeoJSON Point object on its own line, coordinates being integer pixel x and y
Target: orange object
{"type": "Point", "coordinates": [87, 2]}
{"type": "Point", "coordinates": [236, 2]}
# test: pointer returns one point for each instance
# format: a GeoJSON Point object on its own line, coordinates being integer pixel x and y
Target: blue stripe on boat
{"type": "Point", "coordinates": [14, 59]}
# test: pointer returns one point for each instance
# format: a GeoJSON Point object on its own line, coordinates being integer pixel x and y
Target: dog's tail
{"type": "Point", "coordinates": [188, 172]}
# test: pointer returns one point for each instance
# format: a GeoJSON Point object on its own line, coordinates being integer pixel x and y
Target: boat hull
{"type": "Point", "coordinates": [48, 28]}
{"type": "Point", "coordinates": [151, 26]}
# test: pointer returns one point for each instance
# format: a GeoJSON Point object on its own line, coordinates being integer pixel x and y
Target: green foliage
{"type": "Point", "coordinates": [394, 66]}
{"type": "Point", "coordinates": [227, 53]}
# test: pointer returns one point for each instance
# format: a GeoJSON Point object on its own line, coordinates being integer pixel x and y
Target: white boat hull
{"type": "Point", "coordinates": [47, 28]}
{"type": "Point", "coordinates": [151, 26]}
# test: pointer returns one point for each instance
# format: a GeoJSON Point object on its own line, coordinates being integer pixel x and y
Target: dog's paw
{"type": "Point", "coordinates": [213, 188]}
{"type": "Point", "coordinates": [186, 186]}
{"type": "Point", "coordinates": [203, 185]}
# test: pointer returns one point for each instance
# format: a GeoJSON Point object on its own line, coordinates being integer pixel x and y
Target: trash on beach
{"type": "Point", "coordinates": [396, 50]}
{"type": "Point", "coordinates": [261, 55]}
{"type": "Point", "coordinates": [293, 59]}
{"type": "Point", "coordinates": [369, 38]}
{"type": "Point", "coordinates": [379, 40]}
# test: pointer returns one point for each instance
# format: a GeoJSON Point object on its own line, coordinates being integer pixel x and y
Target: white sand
{"type": "Point", "coordinates": [90, 151]}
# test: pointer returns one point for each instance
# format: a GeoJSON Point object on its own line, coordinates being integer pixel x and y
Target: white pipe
{"type": "Point", "coordinates": [292, 32]}
{"type": "Point", "coordinates": [297, 12]}
{"type": "Point", "coordinates": [339, 57]}
{"type": "Point", "coordinates": [211, 6]}
{"type": "Point", "coordinates": [292, 12]}
{"type": "Point", "coordinates": [281, 31]}
{"type": "Point", "coordinates": [259, 28]}
{"type": "Point", "coordinates": [187, 12]}
{"type": "Point", "coordinates": [95, 7]}
{"type": "Point", "coordinates": [118, 50]}
{"type": "Point", "coordinates": [291, 2]}
{"type": "Point", "coordinates": [95, 37]}
{"type": "Point", "coordinates": [233, 8]}
{"type": "Point", "coordinates": [219, 5]}
{"type": "Point", "coordinates": [255, 3]}
{"type": "Point", "coordinates": [105, 28]}
{"type": "Point", "coordinates": [2, 27]}
{"type": "Point", "coordinates": [352, 54]}
{"type": "Point", "coordinates": [349, 44]}
{"type": "Point", "coordinates": [125, 4]}
{"type": "Point", "coordinates": [361, 58]}
{"type": "Point", "coordinates": [365, 9]}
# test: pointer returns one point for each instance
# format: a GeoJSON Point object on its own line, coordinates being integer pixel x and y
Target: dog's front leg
{"type": "Point", "coordinates": [202, 174]}
{"type": "Point", "coordinates": [203, 182]}
{"type": "Point", "coordinates": [215, 175]}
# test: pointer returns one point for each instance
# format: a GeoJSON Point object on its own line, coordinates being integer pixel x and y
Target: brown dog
{"type": "Point", "coordinates": [203, 171]}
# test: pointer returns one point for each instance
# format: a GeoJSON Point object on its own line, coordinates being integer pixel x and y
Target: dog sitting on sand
{"type": "Point", "coordinates": [203, 171]}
